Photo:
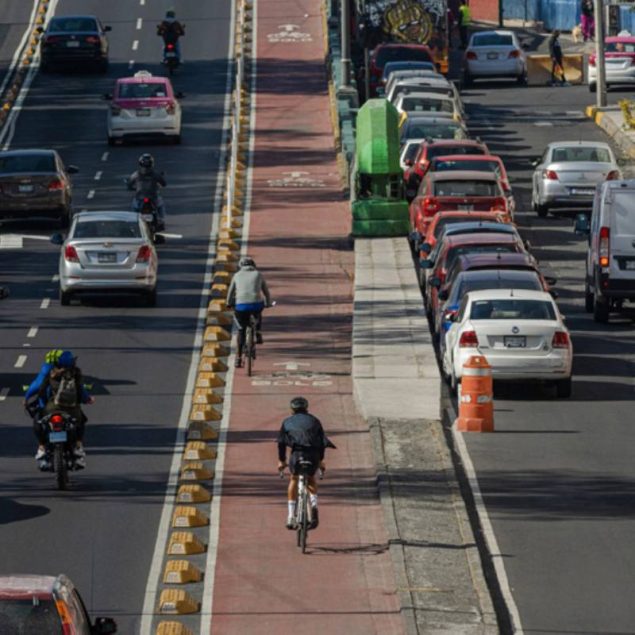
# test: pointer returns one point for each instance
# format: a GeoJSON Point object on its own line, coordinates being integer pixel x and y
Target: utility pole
{"type": "Point", "coordinates": [598, 10]}
{"type": "Point", "coordinates": [346, 42]}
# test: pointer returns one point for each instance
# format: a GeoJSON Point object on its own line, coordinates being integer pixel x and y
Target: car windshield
{"type": "Point", "coordinates": [57, 25]}
{"type": "Point", "coordinates": [450, 165]}
{"type": "Point", "coordinates": [141, 90]}
{"type": "Point", "coordinates": [32, 616]}
{"type": "Point", "coordinates": [426, 104]}
{"type": "Point", "coordinates": [533, 284]}
{"type": "Point", "coordinates": [434, 130]}
{"type": "Point", "coordinates": [512, 309]}
{"type": "Point", "coordinates": [465, 188]}
{"type": "Point", "coordinates": [107, 229]}
{"type": "Point", "coordinates": [493, 39]}
{"type": "Point", "coordinates": [620, 47]}
{"type": "Point", "coordinates": [397, 54]}
{"type": "Point", "coordinates": [580, 153]}
{"type": "Point", "coordinates": [27, 163]}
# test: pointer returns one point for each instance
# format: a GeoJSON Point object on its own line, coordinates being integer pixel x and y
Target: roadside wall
{"type": "Point", "coordinates": [485, 10]}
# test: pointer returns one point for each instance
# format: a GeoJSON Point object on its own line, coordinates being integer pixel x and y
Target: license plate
{"type": "Point", "coordinates": [466, 208]}
{"type": "Point", "coordinates": [72, 44]}
{"type": "Point", "coordinates": [143, 112]}
{"type": "Point", "coordinates": [58, 437]}
{"type": "Point", "coordinates": [171, 54]}
{"type": "Point", "coordinates": [582, 191]}
{"type": "Point", "coordinates": [107, 257]}
{"type": "Point", "coordinates": [515, 341]}
{"type": "Point", "coordinates": [630, 265]}
{"type": "Point", "coordinates": [492, 56]}
{"type": "Point", "coordinates": [25, 189]}
{"type": "Point", "coordinates": [148, 218]}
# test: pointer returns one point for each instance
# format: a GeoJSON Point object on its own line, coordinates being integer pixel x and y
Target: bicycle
{"type": "Point", "coordinates": [303, 510]}
{"type": "Point", "coordinates": [249, 345]}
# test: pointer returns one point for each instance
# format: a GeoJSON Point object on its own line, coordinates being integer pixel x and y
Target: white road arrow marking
{"type": "Point", "coordinates": [291, 365]}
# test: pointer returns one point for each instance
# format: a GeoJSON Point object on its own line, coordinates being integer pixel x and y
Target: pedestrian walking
{"type": "Point", "coordinates": [587, 20]}
{"type": "Point", "coordinates": [557, 61]}
{"type": "Point", "coordinates": [464, 21]}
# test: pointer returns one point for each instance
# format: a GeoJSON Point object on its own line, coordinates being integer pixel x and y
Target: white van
{"type": "Point", "coordinates": [610, 265]}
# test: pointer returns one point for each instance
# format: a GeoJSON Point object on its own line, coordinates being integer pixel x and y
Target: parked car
{"type": "Point", "coordinates": [72, 40]}
{"type": "Point", "coordinates": [463, 191]}
{"type": "Point", "coordinates": [46, 605]}
{"type": "Point", "coordinates": [431, 127]}
{"type": "Point", "coordinates": [399, 76]}
{"type": "Point", "coordinates": [433, 104]}
{"type": "Point", "coordinates": [619, 62]}
{"type": "Point", "coordinates": [107, 252]}
{"type": "Point", "coordinates": [394, 67]}
{"type": "Point", "coordinates": [394, 52]}
{"type": "Point", "coordinates": [144, 106]}
{"type": "Point", "coordinates": [567, 173]}
{"type": "Point", "coordinates": [438, 85]}
{"type": "Point", "coordinates": [494, 54]}
{"type": "Point", "coordinates": [610, 264]}
{"type": "Point", "coordinates": [520, 332]}
{"type": "Point", "coordinates": [35, 184]}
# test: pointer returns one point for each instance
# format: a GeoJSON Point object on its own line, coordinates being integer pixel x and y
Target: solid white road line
{"type": "Point", "coordinates": [3, 394]}
{"type": "Point", "coordinates": [142, 2]}
{"type": "Point", "coordinates": [20, 361]}
{"type": "Point", "coordinates": [33, 331]}
{"type": "Point", "coordinates": [135, 45]}
{"type": "Point", "coordinates": [154, 575]}
{"type": "Point", "coordinates": [139, 23]}
{"type": "Point", "coordinates": [45, 303]}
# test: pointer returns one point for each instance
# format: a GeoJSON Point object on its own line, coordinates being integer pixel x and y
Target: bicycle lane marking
{"type": "Point", "coordinates": [309, 270]}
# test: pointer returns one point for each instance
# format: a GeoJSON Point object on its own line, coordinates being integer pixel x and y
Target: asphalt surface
{"type": "Point", "coordinates": [102, 532]}
{"type": "Point", "coordinates": [558, 477]}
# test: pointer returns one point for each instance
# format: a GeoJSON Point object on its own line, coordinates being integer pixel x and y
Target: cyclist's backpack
{"type": "Point", "coordinates": [66, 392]}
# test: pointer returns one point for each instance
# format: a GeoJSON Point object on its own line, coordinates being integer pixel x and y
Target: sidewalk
{"type": "Point", "coordinates": [611, 120]}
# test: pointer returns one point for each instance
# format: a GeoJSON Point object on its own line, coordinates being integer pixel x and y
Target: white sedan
{"type": "Point", "coordinates": [494, 54]}
{"type": "Point", "coordinates": [520, 332]}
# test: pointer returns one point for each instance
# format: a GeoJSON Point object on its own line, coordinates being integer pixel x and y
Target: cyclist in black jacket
{"type": "Point", "coordinates": [303, 433]}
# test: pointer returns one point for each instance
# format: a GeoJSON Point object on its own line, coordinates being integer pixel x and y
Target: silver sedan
{"type": "Point", "coordinates": [107, 252]}
{"type": "Point", "coordinates": [567, 173]}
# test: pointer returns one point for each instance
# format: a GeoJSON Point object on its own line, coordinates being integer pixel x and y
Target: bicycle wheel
{"type": "Point", "coordinates": [249, 347]}
{"type": "Point", "coordinates": [304, 525]}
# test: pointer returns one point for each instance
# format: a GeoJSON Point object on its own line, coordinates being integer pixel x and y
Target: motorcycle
{"type": "Point", "coordinates": [171, 57]}
{"type": "Point", "coordinates": [149, 210]}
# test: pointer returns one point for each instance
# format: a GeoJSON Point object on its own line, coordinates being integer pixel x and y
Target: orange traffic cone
{"type": "Point", "coordinates": [476, 404]}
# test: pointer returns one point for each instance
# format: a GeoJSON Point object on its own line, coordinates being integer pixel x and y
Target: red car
{"type": "Point", "coordinates": [454, 246]}
{"type": "Point", "coordinates": [462, 191]}
{"type": "Point", "coordinates": [436, 148]}
{"type": "Point", "coordinates": [384, 53]}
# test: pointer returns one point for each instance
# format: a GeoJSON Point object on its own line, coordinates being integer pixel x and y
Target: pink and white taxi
{"type": "Point", "coordinates": [144, 106]}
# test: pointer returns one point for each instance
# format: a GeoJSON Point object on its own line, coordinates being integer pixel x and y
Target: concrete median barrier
{"type": "Point", "coordinates": [539, 69]}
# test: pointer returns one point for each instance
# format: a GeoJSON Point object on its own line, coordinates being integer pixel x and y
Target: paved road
{"type": "Point", "coordinates": [558, 476]}
{"type": "Point", "coordinates": [14, 20]}
{"type": "Point", "coordinates": [102, 532]}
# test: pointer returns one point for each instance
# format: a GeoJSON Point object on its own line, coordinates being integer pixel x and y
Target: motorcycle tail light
{"type": "Point", "coordinates": [146, 200]}
{"type": "Point", "coordinates": [57, 422]}
{"type": "Point", "coordinates": [170, 47]}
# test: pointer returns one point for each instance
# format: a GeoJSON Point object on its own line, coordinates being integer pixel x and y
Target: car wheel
{"type": "Point", "coordinates": [151, 298]}
{"type": "Point", "coordinates": [65, 298]}
{"type": "Point", "coordinates": [467, 79]}
{"type": "Point", "coordinates": [588, 299]}
{"type": "Point", "coordinates": [65, 219]}
{"type": "Point", "coordinates": [600, 309]}
{"type": "Point", "coordinates": [522, 79]}
{"type": "Point", "coordinates": [593, 87]}
{"type": "Point", "coordinates": [176, 139]}
{"type": "Point", "coordinates": [563, 388]}
{"type": "Point", "coordinates": [542, 210]}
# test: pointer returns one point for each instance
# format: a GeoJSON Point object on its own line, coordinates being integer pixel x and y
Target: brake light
{"type": "Point", "coordinates": [65, 617]}
{"type": "Point", "coordinates": [550, 175]}
{"type": "Point", "coordinates": [51, 39]}
{"type": "Point", "coordinates": [55, 185]}
{"type": "Point", "coordinates": [604, 246]}
{"type": "Point", "coordinates": [169, 108]}
{"type": "Point", "coordinates": [430, 206]}
{"type": "Point", "coordinates": [468, 339]}
{"type": "Point", "coordinates": [144, 254]}
{"type": "Point", "coordinates": [57, 422]}
{"type": "Point", "coordinates": [560, 340]}
{"type": "Point", "coordinates": [613, 175]}
{"type": "Point", "coordinates": [92, 39]}
{"type": "Point", "coordinates": [499, 204]}
{"type": "Point", "coordinates": [170, 47]}
{"type": "Point", "coordinates": [514, 53]}
{"type": "Point", "coordinates": [471, 55]}
{"type": "Point", "coordinates": [115, 110]}
{"type": "Point", "coordinates": [70, 254]}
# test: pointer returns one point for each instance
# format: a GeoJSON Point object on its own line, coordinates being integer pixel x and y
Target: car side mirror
{"type": "Point", "coordinates": [550, 280]}
{"type": "Point", "coordinates": [104, 626]}
{"type": "Point", "coordinates": [582, 225]}
{"type": "Point", "coordinates": [107, 28]}
{"type": "Point", "coordinates": [443, 295]}
{"type": "Point", "coordinates": [525, 46]}
{"type": "Point", "coordinates": [435, 282]}
{"type": "Point", "coordinates": [534, 162]}
{"type": "Point", "coordinates": [57, 239]}
{"type": "Point", "coordinates": [409, 162]}
{"type": "Point", "coordinates": [554, 294]}
{"type": "Point", "coordinates": [527, 245]}
{"type": "Point", "coordinates": [106, 96]}
{"type": "Point", "coordinates": [426, 248]}
{"type": "Point", "coordinates": [72, 169]}
{"type": "Point", "coordinates": [424, 263]}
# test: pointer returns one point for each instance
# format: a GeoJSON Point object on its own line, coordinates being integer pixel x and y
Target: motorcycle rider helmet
{"type": "Point", "coordinates": [299, 404]}
{"type": "Point", "coordinates": [247, 262]}
{"type": "Point", "coordinates": [66, 360]}
{"type": "Point", "coordinates": [170, 13]}
{"type": "Point", "coordinates": [146, 160]}
{"type": "Point", "coordinates": [53, 356]}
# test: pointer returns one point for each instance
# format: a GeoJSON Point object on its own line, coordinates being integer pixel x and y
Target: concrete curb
{"type": "Point", "coordinates": [608, 119]}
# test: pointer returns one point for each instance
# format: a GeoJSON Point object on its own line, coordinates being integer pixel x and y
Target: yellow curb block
{"type": "Point", "coordinates": [228, 233]}
{"type": "Point", "coordinates": [181, 572]}
{"type": "Point", "coordinates": [177, 602]}
{"type": "Point", "coordinates": [196, 471]}
{"type": "Point", "coordinates": [206, 396]}
{"type": "Point", "coordinates": [200, 430]}
{"type": "Point", "coordinates": [215, 350]}
{"type": "Point", "coordinates": [226, 256]}
{"type": "Point", "coordinates": [173, 628]}
{"type": "Point", "coordinates": [218, 319]}
{"type": "Point", "coordinates": [209, 380]}
{"type": "Point", "coordinates": [222, 277]}
{"type": "Point", "coordinates": [217, 306]}
{"type": "Point", "coordinates": [204, 413]}
{"type": "Point", "coordinates": [6, 106]}
{"type": "Point", "coordinates": [227, 243]}
{"type": "Point", "coordinates": [193, 494]}
{"type": "Point", "coordinates": [198, 451]}
{"type": "Point", "coordinates": [210, 364]}
{"type": "Point", "coordinates": [185, 543]}
{"type": "Point", "coordinates": [187, 516]}
{"type": "Point", "coordinates": [216, 334]}
{"type": "Point", "coordinates": [219, 290]}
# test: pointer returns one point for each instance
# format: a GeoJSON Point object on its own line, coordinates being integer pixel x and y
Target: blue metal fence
{"type": "Point", "coordinates": [555, 14]}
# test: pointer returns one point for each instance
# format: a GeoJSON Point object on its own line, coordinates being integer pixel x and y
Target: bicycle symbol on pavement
{"type": "Point", "coordinates": [296, 179]}
{"type": "Point", "coordinates": [289, 33]}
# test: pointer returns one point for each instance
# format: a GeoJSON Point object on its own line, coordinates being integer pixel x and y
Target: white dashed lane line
{"type": "Point", "coordinates": [142, 2]}
{"type": "Point", "coordinates": [20, 361]}
{"type": "Point", "coordinates": [91, 194]}
{"type": "Point", "coordinates": [104, 156]}
{"type": "Point", "coordinates": [130, 63]}
{"type": "Point", "coordinates": [55, 278]}
{"type": "Point", "coordinates": [139, 23]}
{"type": "Point", "coordinates": [32, 331]}
{"type": "Point", "coordinates": [3, 394]}
{"type": "Point", "coordinates": [98, 175]}
{"type": "Point", "coordinates": [45, 303]}
{"type": "Point", "coordinates": [135, 45]}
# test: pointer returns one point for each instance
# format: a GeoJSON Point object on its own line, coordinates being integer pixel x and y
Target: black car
{"type": "Point", "coordinates": [73, 39]}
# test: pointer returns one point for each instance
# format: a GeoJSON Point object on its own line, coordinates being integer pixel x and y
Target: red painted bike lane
{"type": "Point", "coordinates": [299, 224]}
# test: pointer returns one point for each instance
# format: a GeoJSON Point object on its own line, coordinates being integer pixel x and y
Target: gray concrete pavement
{"type": "Point", "coordinates": [397, 387]}
{"type": "Point", "coordinates": [611, 121]}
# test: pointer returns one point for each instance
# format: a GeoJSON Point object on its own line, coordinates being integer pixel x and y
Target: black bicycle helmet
{"type": "Point", "coordinates": [170, 13]}
{"type": "Point", "coordinates": [299, 404]}
{"type": "Point", "coordinates": [247, 262]}
{"type": "Point", "coordinates": [146, 160]}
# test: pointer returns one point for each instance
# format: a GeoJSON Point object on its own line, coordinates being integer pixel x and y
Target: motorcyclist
{"type": "Point", "coordinates": [50, 360]}
{"type": "Point", "coordinates": [171, 30]}
{"type": "Point", "coordinates": [248, 293]}
{"type": "Point", "coordinates": [49, 392]}
{"type": "Point", "coordinates": [146, 183]}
